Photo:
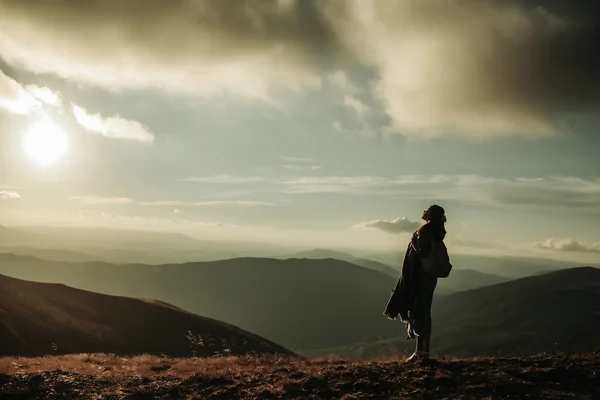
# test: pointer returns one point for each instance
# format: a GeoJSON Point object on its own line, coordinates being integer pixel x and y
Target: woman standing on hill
{"type": "Point", "coordinates": [413, 294]}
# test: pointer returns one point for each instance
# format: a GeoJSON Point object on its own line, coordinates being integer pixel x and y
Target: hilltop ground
{"type": "Point", "coordinates": [146, 377]}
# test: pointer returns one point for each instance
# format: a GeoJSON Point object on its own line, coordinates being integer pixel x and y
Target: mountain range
{"type": "Point", "coordinates": [42, 318]}
{"type": "Point", "coordinates": [330, 305]}
{"type": "Point", "coordinates": [553, 312]}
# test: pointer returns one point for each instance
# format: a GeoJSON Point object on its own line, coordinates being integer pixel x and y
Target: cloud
{"type": "Point", "coordinates": [478, 68]}
{"type": "Point", "coordinates": [150, 223]}
{"type": "Point", "coordinates": [5, 194]}
{"type": "Point", "coordinates": [570, 193]}
{"type": "Point", "coordinates": [398, 225]}
{"type": "Point", "coordinates": [294, 167]}
{"type": "Point", "coordinates": [474, 243]}
{"type": "Point", "coordinates": [570, 245]}
{"type": "Point", "coordinates": [224, 179]}
{"type": "Point", "coordinates": [95, 200]}
{"type": "Point", "coordinates": [14, 98]}
{"type": "Point", "coordinates": [247, 47]}
{"type": "Point", "coordinates": [297, 159]}
{"type": "Point", "coordinates": [112, 127]}
{"type": "Point", "coordinates": [45, 95]}
{"type": "Point", "coordinates": [99, 214]}
{"type": "Point", "coordinates": [471, 68]}
{"type": "Point", "coordinates": [211, 203]}
{"type": "Point", "coordinates": [358, 106]}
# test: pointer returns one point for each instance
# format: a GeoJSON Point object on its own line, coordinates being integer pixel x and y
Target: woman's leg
{"type": "Point", "coordinates": [420, 344]}
{"type": "Point", "coordinates": [427, 302]}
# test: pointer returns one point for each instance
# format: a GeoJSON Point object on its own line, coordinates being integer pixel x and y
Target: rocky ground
{"type": "Point", "coordinates": [100, 376]}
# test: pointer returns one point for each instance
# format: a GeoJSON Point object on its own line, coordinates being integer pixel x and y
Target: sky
{"type": "Point", "coordinates": [313, 123]}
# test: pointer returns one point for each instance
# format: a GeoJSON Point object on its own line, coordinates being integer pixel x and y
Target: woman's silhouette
{"type": "Point", "coordinates": [413, 294]}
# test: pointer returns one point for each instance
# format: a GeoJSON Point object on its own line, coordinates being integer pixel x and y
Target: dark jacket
{"type": "Point", "coordinates": [408, 285]}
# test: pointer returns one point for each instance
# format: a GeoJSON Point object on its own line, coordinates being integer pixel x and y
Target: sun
{"type": "Point", "coordinates": [45, 142]}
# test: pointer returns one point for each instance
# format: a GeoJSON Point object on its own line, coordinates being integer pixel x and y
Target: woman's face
{"type": "Point", "coordinates": [425, 215]}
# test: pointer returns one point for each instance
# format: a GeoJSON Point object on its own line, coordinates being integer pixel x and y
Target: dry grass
{"type": "Point", "coordinates": [106, 376]}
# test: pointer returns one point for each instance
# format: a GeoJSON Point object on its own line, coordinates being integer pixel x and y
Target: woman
{"type": "Point", "coordinates": [413, 295]}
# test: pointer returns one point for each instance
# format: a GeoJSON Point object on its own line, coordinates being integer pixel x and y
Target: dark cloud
{"type": "Point", "coordinates": [398, 225]}
{"type": "Point", "coordinates": [184, 45]}
{"type": "Point", "coordinates": [476, 68]}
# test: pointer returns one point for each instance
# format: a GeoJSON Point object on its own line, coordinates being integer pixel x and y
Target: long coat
{"type": "Point", "coordinates": [409, 283]}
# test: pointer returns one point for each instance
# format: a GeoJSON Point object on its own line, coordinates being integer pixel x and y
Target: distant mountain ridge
{"type": "Point", "coordinates": [553, 312]}
{"type": "Point", "coordinates": [298, 303]}
{"type": "Point", "coordinates": [42, 318]}
{"type": "Point", "coordinates": [307, 304]}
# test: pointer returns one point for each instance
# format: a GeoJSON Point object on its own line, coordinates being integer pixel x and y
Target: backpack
{"type": "Point", "coordinates": [436, 263]}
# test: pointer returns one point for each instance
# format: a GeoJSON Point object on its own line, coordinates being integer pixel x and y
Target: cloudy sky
{"type": "Point", "coordinates": [319, 123]}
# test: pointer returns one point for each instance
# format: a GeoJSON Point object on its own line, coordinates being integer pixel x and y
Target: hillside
{"type": "Point", "coordinates": [101, 376]}
{"type": "Point", "coordinates": [506, 266]}
{"type": "Point", "coordinates": [296, 303]}
{"type": "Point", "coordinates": [462, 279]}
{"type": "Point", "coordinates": [377, 266]}
{"type": "Point", "coordinates": [467, 279]}
{"type": "Point", "coordinates": [41, 318]}
{"type": "Point", "coordinates": [320, 307]}
{"type": "Point", "coordinates": [557, 311]}
{"type": "Point", "coordinates": [316, 254]}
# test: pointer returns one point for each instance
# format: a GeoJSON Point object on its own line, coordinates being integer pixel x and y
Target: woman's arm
{"type": "Point", "coordinates": [424, 240]}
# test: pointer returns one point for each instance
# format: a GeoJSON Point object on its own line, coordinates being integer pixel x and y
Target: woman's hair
{"type": "Point", "coordinates": [435, 214]}
{"type": "Point", "coordinates": [436, 217]}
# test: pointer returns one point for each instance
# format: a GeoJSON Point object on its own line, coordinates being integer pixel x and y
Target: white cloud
{"type": "Point", "coordinates": [210, 203]}
{"type": "Point", "coordinates": [224, 179]}
{"type": "Point", "coordinates": [297, 159]}
{"type": "Point", "coordinates": [99, 214]}
{"type": "Point", "coordinates": [358, 106]}
{"type": "Point", "coordinates": [398, 225]}
{"type": "Point", "coordinates": [14, 98]}
{"type": "Point", "coordinates": [96, 200]}
{"type": "Point", "coordinates": [571, 193]}
{"type": "Point", "coordinates": [45, 95]}
{"type": "Point", "coordinates": [6, 194]}
{"type": "Point", "coordinates": [553, 191]}
{"type": "Point", "coordinates": [568, 245]}
{"type": "Point", "coordinates": [112, 127]}
{"type": "Point", "coordinates": [294, 167]}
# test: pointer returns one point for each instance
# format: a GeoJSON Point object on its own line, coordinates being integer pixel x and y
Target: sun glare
{"type": "Point", "coordinates": [45, 142]}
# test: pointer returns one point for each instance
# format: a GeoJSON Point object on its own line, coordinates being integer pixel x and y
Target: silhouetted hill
{"type": "Point", "coordinates": [505, 266]}
{"type": "Point", "coordinates": [330, 304]}
{"type": "Point", "coordinates": [467, 279]}
{"type": "Point", "coordinates": [42, 318]}
{"type": "Point", "coordinates": [377, 266]}
{"type": "Point", "coordinates": [299, 303]}
{"type": "Point", "coordinates": [461, 279]}
{"type": "Point", "coordinates": [315, 254]}
{"type": "Point", "coordinates": [557, 311]}
{"type": "Point", "coordinates": [50, 254]}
